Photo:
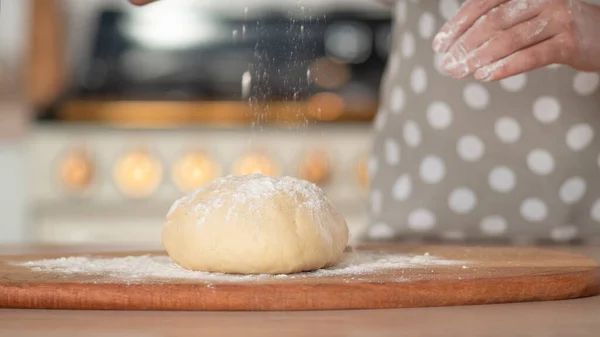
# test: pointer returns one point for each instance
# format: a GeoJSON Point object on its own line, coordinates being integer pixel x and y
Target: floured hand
{"type": "Point", "coordinates": [495, 39]}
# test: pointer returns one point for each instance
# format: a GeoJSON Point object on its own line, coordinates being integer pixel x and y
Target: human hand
{"type": "Point", "coordinates": [495, 39]}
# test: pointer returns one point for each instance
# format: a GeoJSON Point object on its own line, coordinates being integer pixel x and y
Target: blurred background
{"type": "Point", "coordinates": [109, 112]}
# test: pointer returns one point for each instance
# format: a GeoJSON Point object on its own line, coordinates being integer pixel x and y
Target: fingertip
{"type": "Point", "coordinates": [440, 43]}
{"type": "Point", "coordinates": [444, 38]}
{"type": "Point", "coordinates": [436, 45]}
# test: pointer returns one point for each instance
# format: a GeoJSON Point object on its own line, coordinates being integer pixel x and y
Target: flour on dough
{"type": "Point", "coordinates": [255, 224]}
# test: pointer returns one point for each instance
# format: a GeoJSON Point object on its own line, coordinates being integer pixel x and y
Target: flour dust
{"type": "Point", "coordinates": [137, 269]}
{"type": "Point", "coordinates": [285, 47]}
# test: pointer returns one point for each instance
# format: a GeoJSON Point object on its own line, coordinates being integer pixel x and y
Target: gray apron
{"type": "Point", "coordinates": [515, 160]}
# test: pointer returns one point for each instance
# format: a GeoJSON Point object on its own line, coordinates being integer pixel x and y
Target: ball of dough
{"type": "Point", "coordinates": [255, 224]}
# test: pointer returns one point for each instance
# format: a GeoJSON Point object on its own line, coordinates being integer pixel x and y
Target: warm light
{"type": "Point", "coordinates": [76, 171]}
{"type": "Point", "coordinates": [326, 106]}
{"type": "Point", "coordinates": [137, 174]}
{"type": "Point", "coordinates": [362, 173]}
{"type": "Point", "coordinates": [328, 74]}
{"type": "Point", "coordinates": [255, 163]}
{"type": "Point", "coordinates": [195, 170]}
{"type": "Point", "coordinates": [315, 167]}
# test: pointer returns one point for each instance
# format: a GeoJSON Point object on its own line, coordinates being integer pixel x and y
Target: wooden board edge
{"type": "Point", "coordinates": [187, 297]}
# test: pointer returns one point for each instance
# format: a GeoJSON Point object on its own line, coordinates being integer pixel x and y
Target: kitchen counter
{"type": "Point", "coordinates": [579, 317]}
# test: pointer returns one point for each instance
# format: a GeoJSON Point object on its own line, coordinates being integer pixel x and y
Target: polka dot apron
{"type": "Point", "coordinates": [515, 160]}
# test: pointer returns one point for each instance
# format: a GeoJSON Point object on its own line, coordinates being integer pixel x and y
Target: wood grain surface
{"type": "Point", "coordinates": [493, 275]}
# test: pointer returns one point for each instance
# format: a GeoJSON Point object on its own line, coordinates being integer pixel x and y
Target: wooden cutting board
{"type": "Point", "coordinates": [481, 276]}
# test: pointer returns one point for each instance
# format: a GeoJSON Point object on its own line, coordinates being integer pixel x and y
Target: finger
{"type": "Point", "coordinates": [537, 56]}
{"type": "Point", "coordinates": [468, 14]}
{"type": "Point", "coordinates": [500, 18]}
{"type": "Point", "coordinates": [504, 43]}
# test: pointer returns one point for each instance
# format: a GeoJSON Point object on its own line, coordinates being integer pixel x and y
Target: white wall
{"type": "Point", "coordinates": [13, 19]}
{"type": "Point", "coordinates": [13, 15]}
{"type": "Point", "coordinates": [13, 198]}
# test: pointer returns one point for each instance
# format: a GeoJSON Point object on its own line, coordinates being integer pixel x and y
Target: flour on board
{"type": "Point", "coordinates": [138, 268]}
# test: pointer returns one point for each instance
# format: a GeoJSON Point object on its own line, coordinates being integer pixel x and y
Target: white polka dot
{"type": "Point", "coordinates": [412, 134]}
{"type": "Point", "coordinates": [432, 170]}
{"type": "Point", "coordinates": [476, 96]}
{"type": "Point", "coordinates": [408, 45]}
{"type": "Point", "coordinates": [426, 25]}
{"type": "Point", "coordinates": [470, 148]}
{"type": "Point", "coordinates": [392, 152]}
{"type": "Point", "coordinates": [373, 166]}
{"type": "Point", "coordinates": [507, 129]}
{"type": "Point", "coordinates": [380, 231]}
{"type": "Point", "coordinates": [418, 80]}
{"type": "Point", "coordinates": [376, 201]}
{"type": "Point", "coordinates": [493, 225]}
{"type": "Point", "coordinates": [515, 83]}
{"type": "Point", "coordinates": [534, 210]}
{"type": "Point", "coordinates": [401, 11]}
{"type": "Point", "coordinates": [449, 8]}
{"type": "Point", "coordinates": [380, 120]}
{"type": "Point", "coordinates": [540, 162]}
{"type": "Point", "coordinates": [579, 137]}
{"type": "Point", "coordinates": [421, 220]}
{"type": "Point", "coordinates": [402, 188]}
{"type": "Point", "coordinates": [397, 100]}
{"type": "Point", "coordinates": [586, 84]}
{"type": "Point", "coordinates": [546, 109]}
{"type": "Point", "coordinates": [502, 179]}
{"type": "Point", "coordinates": [439, 115]}
{"type": "Point", "coordinates": [572, 190]}
{"type": "Point", "coordinates": [437, 62]}
{"type": "Point", "coordinates": [462, 200]}
{"type": "Point", "coordinates": [564, 233]}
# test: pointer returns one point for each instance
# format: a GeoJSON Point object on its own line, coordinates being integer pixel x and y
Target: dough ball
{"type": "Point", "coordinates": [255, 224]}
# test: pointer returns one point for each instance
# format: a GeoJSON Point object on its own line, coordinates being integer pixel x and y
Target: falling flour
{"type": "Point", "coordinates": [132, 269]}
{"type": "Point", "coordinates": [251, 190]}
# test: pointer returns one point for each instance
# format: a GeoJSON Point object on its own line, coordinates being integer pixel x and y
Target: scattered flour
{"type": "Point", "coordinates": [489, 72]}
{"type": "Point", "coordinates": [516, 8]}
{"type": "Point", "coordinates": [250, 190]}
{"type": "Point", "coordinates": [132, 269]}
{"type": "Point", "coordinates": [249, 195]}
{"type": "Point", "coordinates": [448, 34]}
